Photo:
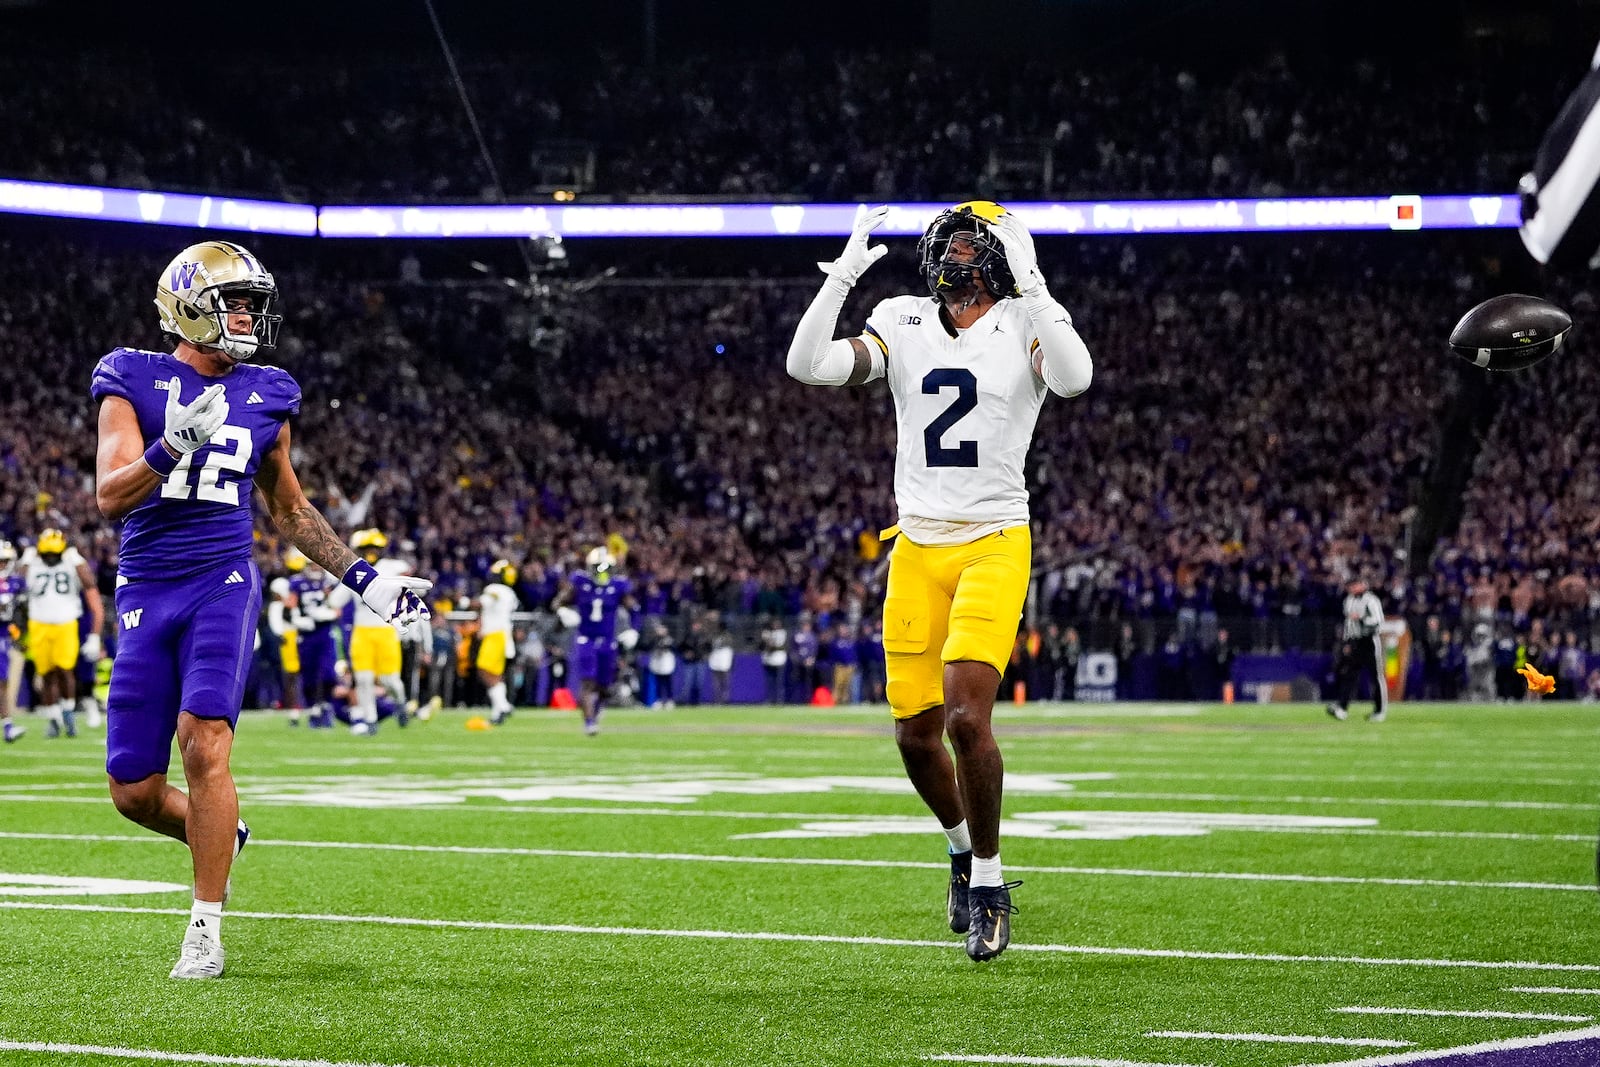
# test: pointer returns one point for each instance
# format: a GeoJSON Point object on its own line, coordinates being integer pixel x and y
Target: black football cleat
{"type": "Point", "coordinates": [991, 920]}
{"type": "Point", "coordinates": [957, 908]}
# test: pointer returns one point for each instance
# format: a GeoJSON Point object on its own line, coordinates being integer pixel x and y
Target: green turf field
{"type": "Point", "coordinates": [760, 886]}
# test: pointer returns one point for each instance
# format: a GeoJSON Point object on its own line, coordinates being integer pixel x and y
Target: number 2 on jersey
{"type": "Point", "coordinates": [965, 453]}
{"type": "Point", "coordinates": [209, 486]}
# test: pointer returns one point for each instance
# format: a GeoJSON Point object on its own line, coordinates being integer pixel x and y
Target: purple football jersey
{"type": "Point", "coordinates": [597, 605]}
{"type": "Point", "coordinates": [200, 516]}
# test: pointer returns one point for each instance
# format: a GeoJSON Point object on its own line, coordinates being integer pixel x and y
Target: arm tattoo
{"type": "Point", "coordinates": [311, 534]}
{"type": "Point", "coordinates": [863, 367]}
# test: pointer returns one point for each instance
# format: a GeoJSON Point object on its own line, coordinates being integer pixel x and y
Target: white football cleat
{"type": "Point", "coordinates": [1337, 712]}
{"type": "Point", "coordinates": [201, 957]}
{"type": "Point", "coordinates": [360, 728]}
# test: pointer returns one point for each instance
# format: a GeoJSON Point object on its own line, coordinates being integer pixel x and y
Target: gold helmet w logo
{"type": "Point", "coordinates": [209, 283]}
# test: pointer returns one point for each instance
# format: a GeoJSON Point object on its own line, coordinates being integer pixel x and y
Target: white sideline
{"type": "Point", "coordinates": [162, 1056]}
{"type": "Point", "coordinates": [1284, 1039]}
{"type": "Point", "coordinates": [1551, 989]}
{"type": "Point", "coordinates": [802, 861]}
{"type": "Point", "coordinates": [1405, 1059]}
{"type": "Point", "coordinates": [1053, 1061]}
{"type": "Point", "coordinates": [1435, 1013]}
{"type": "Point", "coordinates": [824, 939]}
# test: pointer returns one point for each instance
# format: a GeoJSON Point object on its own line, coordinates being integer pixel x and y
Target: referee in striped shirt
{"type": "Point", "coordinates": [1360, 655]}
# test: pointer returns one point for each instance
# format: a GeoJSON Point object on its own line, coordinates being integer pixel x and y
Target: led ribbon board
{"type": "Point", "coordinates": [155, 208]}
{"type": "Point", "coordinates": [1077, 217]}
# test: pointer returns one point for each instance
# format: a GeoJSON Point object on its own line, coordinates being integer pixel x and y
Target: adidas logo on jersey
{"type": "Point", "coordinates": [255, 398]}
{"type": "Point", "coordinates": [130, 619]}
{"type": "Point", "coordinates": [235, 578]}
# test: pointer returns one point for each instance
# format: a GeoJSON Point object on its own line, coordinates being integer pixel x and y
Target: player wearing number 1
{"type": "Point", "coordinates": [183, 435]}
{"type": "Point", "coordinates": [969, 367]}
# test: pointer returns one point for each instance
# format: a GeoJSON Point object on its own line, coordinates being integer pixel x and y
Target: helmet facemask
{"type": "Point", "coordinates": [231, 301]}
{"type": "Point", "coordinates": [958, 253]}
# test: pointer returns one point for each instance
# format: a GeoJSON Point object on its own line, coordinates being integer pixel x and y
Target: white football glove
{"type": "Point", "coordinates": [1020, 256]}
{"type": "Point", "coordinates": [91, 651]}
{"type": "Point", "coordinates": [396, 600]}
{"type": "Point", "coordinates": [857, 257]}
{"type": "Point", "coordinates": [190, 426]}
{"type": "Point", "coordinates": [511, 647]}
{"type": "Point", "coordinates": [568, 616]}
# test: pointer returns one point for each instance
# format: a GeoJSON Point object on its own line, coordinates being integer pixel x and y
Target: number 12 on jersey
{"type": "Point", "coordinates": [210, 486]}
{"type": "Point", "coordinates": [965, 453]}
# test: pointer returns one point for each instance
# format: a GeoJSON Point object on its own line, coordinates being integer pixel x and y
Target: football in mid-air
{"type": "Point", "coordinates": [1510, 332]}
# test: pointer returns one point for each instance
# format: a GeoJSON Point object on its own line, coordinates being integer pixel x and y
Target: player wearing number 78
{"type": "Point", "coordinates": [184, 438]}
{"type": "Point", "coordinates": [969, 367]}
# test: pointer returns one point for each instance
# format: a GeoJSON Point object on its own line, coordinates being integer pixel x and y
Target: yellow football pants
{"type": "Point", "coordinates": [949, 604]}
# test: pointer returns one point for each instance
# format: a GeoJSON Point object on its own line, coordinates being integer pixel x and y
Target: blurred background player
{"type": "Point", "coordinates": [58, 586]}
{"type": "Point", "coordinates": [318, 644]}
{"type": "Point", "coordinates": [969, 367]}
{"type": "Point", "coordinates": [375, 655]}
{"type": "Point", "coordinates": [12, 588]}
{"type": "Point", "coordinates": [286, 623]}
{"type": "Point", "coordinates": [590, 603]}
{"type": "Point", "coordinates": [182, 437]}
{"type": "Point", "coordinates": [340, 705]}
{"type": "Point", "coordinates": [496, 644]}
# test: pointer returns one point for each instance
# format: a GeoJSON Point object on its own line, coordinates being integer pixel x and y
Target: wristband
{"type": "Point", "coordinates": [158, 459]}
{"type": "Point", "coordinates": [359, 576]}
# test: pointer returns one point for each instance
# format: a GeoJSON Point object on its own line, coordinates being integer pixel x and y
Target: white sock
{"type": "Point", "coordinates": [366, 709]}
{"type": "Point", "coordinates": [63, 706]}
{"type": "Point", "coordinates": [51, 712]}
{"type": "Point", "coordinates": [960, 837]}
{"type": "Point", "coordinates": [497, 697]}
{"type": "Point", "coordinates": [395, 687]}
{"type": "Point", "coordinates": [986, 871]}
{"type": "Point", "coordinates": [206, 917]}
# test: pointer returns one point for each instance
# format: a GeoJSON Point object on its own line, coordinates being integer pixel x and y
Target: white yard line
{"type": "Point", "coordinates": [1406, 1059]}
{"type": "Point", "coordinates": [944, 944]}
{"type": "Point", "coordinates": [1434, 1013]}
{"type": "Point", "coordinates": [163, 1056]}
{"type": "Point", "coordinates": [1420, 802]}
{"type": "Point", "coordinates": [1283, 1039]}
{"type": "Point", "coordinates": [1558, 990]}
{"type": "Point", "coordinates": [802, 861]}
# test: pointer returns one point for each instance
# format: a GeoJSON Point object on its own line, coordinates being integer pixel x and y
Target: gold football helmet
{"type": "Point", "coordinates": [52, 542]}
{"type": "Point", "coordinates": [195, 291]}
{"type": "Point", "coordinates": [502, 571]}
{"type": "Point", "coordinates": [369, 543]}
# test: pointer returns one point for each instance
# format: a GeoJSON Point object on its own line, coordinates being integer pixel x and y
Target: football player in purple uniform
{"type": "Point", "coordinates": [12, 587]}
{"type": "Point", "coordinates": [590, 603]}
{"type": "Point", "coordinates": [318, 651]}
{"type": "Point", "coordinates": [183, 438]}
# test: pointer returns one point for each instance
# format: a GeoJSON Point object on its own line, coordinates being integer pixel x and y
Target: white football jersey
{"type": "Point", "coordinates": [55, 593]}
{"type": "Point", "coordinates": [495, 605]}
{"type": "Point", "coordinates": [966, 408]}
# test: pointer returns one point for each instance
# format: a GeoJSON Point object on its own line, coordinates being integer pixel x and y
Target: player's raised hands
{"type": "Point", "coordinates": [857, 257]}
{"type": "Point", "coordinates": [1020, 256]}
{"type": "Point", "coordinates": [190, 426]}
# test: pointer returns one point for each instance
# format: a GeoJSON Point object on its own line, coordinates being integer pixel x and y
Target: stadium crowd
{"type": "Point", "coordinates": [1258, 429]}
{"type": "Point", "coordinates": [823, 127]}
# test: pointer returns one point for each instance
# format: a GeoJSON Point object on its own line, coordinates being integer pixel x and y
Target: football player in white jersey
{"type": "Point", "coordinates": [496, 646]}
{"type": "Point", "coordinates": [59, 583]}
{"type": "Point", "coordinates": [375, 655]}
{"type": "Point", "coordinates": [969, 366]}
